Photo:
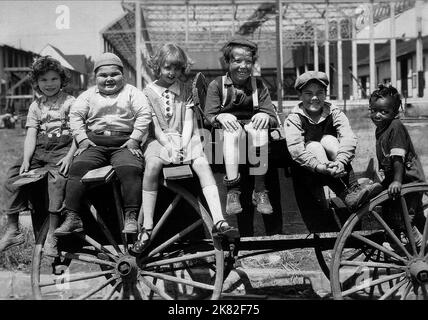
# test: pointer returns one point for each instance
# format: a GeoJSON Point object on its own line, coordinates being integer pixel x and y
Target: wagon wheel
{"type": "Point", "coordinates": [376, 256]}
{"type": "Point", "coordinates": [185, 266]}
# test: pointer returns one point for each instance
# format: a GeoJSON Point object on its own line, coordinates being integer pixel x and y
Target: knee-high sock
{"type": "Point", "coordinates": [213, 201]}
{"type": "Point", "coordinates": [149, 203]}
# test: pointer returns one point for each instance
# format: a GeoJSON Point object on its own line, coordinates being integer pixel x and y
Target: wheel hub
{"type": "Point", "coordinates": [419, 270]}
{"type": "Point", "coordinates": [127, 267]}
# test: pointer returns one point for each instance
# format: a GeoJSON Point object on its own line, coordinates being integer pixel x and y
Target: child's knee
{"type": "Point", "coordinates": [234, 135]}
{"type": "Point", "coordinates": [331, 146]}
{"type": "Point", "coordinates": [153, 166]}
{"type": "Point", "coordinates": [314, 146]}
{"type": "Point", "coordinates": [318, 150]}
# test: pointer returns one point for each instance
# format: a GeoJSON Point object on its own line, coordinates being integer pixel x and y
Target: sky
{"type": "Point", "coordinates": [73, 26]}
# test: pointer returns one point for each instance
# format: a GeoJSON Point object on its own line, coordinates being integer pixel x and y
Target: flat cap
{"type": "Point", "coordinates": [107, 59]}
{"type": "Point", "coordinates": [304, 78]}
{"type": "Point", "coordinates": [242, 42]}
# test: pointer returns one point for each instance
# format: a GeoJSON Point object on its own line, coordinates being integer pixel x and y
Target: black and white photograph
{"type": "Point", "coordinates": [237, 154]}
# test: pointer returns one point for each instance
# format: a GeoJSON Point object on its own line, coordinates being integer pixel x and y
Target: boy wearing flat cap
{"type": "Point", "coordinates": [109, 122]}
{"type": "Point", "coordinates": [321, 142]}
{"type": "Point", "coordinates": [240, 104]}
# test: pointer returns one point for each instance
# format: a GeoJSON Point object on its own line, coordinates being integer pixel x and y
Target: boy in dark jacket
{"type": "Point", "coordinates": [241, 104]}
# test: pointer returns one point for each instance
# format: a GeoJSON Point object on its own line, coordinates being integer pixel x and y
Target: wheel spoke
{"type": "Point", "coordinates": [85, 258]}
{"type": "Point", "coordinates": [97, 245]}
{"type": "Point", "coordinates": [406, 290]}
{"type": "Point", "coordinates": [178, 280]}
{"type": "Point", "coordinates": [358, 270]}
{"type": "Point", "coordinates": [424, 291]}
{"type": "Point", "coordinates": [75, 278]}
{"type": "Point", "coordinates": [155, 280]}
{"type": "Point", "coordinates": [408, 225]}
{"type": "Point", "coordinates": [375, 274]}
{"type": "Point", "coordinates": [369, 282]}
{"type": "Point", "coordinates": [165, 215]}
{"type": "Point", "coordinates": [97, 288]}
{"type": "Point", "coordinates": [424, 239]}
{"type": "Point", "coordinates": [175, 238]}
{"type": "Point", "coordinates": [394, 289]}
{"type": "Point", "coordinates": [117, 196]}
{"type": "Point", "coordinates": [155, 289]}
{"type": "Point", "coordinates": [105, 230]}
{"type": "Point", "coordinates": [391, 233]}
{"type": "Point", "coordinates": [140, 289]}
{"type": "Point", "coordinates": [198, 255]}
{"type": "Point", "coordinates": [371, 264]}
{"type": "Point", "coordinates": [377, 246]}
{"type": "Point", "coordinates": [112, 290]}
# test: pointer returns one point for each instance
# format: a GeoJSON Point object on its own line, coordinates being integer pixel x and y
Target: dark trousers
{"type": "Point", "coordinates": [129, 170]}
{"type": "Point", "coordinates": [49, 150]}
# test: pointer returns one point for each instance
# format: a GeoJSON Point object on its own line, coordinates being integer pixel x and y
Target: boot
{"type": "Point", "coordinates": [261, 200]}
{"type": "Point", "coordinates": [50, 248]}
{"type": "Point", "coordinates": [233, 205]}
{"type": "Point", "coordinates": [357, 195]}
{"type": "Point", "coordinates": [71, 224]}
{"type": "Point", "coordinates": [130, 222]}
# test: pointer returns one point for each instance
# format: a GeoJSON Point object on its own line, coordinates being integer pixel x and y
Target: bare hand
{"type": "Point", "coordinates": [174, 154]}
{"type": "Point", "coordinates": [338, 169]}
{"type": "Point", "coordinates": [64, 164]}
{"type": "Point", "coordinates": [133, 146]}
{"type": "Point", "coordinates": [25, 166]}
{"type": "Point", "coordinates": [394, 189]}
{"type": "Point", "coordinates": [260, 120]}
{"type": "Point", "coordinates": [228, 121]}
{"type": "Point", "coordinates": [83, 145]}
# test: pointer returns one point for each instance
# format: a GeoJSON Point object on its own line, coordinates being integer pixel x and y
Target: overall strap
{"type": "Point", "coordinates": [255, 93]}
{"type": "Point", "coordinates": [226, 93]}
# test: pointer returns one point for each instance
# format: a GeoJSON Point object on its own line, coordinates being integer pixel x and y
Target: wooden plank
{"type": "Point", "coordinates": [30, 177]}
{"type": "Point", "coordinates": [102, 174]}
{"type": "Point", "coordinates": [177, 172]}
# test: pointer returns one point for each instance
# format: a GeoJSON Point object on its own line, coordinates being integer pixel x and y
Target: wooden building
{"type": "Point", "coordinates": [16, 92]}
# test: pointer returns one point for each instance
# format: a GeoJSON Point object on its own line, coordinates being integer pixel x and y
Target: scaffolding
{"type": "Point", "coordinates": [275, 25]}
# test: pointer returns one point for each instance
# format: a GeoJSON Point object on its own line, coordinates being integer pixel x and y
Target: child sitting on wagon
{"type": "Point", "coordinates": [48, 145]}
{"type": "Point", "coordinates": [173, 138]}
{"type": "Point", "coordinates": [241, 104]}
{"type": "Point", "coordinates": [322, 144]}
{"type": "Point", "coordinates": [109, 122]}
{"type": "Point", "coordinates": [395, 152]}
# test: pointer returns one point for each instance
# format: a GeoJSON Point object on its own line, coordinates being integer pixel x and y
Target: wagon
{"type": "Point", "coordinates": [368, 254]}
{"type": "Point", "coordinates": [185, 261]}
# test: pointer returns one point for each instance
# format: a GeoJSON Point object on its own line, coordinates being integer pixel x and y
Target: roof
{"type": "Point", "coordinates": [76, 62]}
{"type": "Point", "coordinates": [203, 26]}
